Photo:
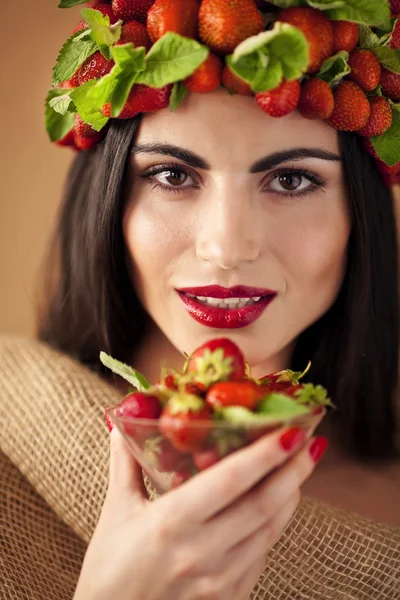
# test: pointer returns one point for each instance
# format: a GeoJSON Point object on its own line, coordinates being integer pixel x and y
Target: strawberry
{"type": "Point", "coordinates": [235, 84]}
{"type": "Point", "coordinates": [216, 360]}
{"type": "Point", "coordinates": [138, 405]}
{"type": "Point", "coordinates": [380, 118]}
{"type": "Point", "coordinates": [346, 35]}
{"type": "Point", "coordinates": [395, 39]}
{"type": "Point", "coordinates": [207, 77]}
{"type": "Point", "coordinates": [390, 175]}
{"type": "Point", "coordinates": [395, 7]}
{"type": "Point", "coordinates": [132, 9]}
{"type": "Point", "coordinates": [281, 380]}
{"type": "Point", "coordinates": [68, 140]}
{"type": "Point", "coordinates": [136, 33]}
{"type": "Point", "coordinates": [244, 393]}
{"type": "Point", "coordinates": [368, 147]}
{"type": "Point", "coordinates": [316, 99]}
{"type": "Point", "coordinates": [224, 24]}
{"type": "Point", "coordinates": [94, 67]}
{"type": "Point", "coordinates": [352, 108]}
{"type": "Point", "coordinates": [282, 100]}
{"type": "Point", "coordinates": [142, 99]}
{"type": "Point", "coordinates": [390, 83]}
{"type": "Point", "coordinates": [178, 422]}
{"type": "Point", "coordinates": [86, 138]}
{"type": "Point", "coordinates": [206, 458]}
{"type": "Point", "coordinates": [168, 458]}
{"type": "Point", "coordinates": [180, 16]}
{"type": "Point", "coordinates": [365, 69]}
{"type": "Point", "coordinates": [105, 10]}
{"type": "Point", "coordinates": [180, 477]}
{"type": "Point", "coordinates": [318, 30]}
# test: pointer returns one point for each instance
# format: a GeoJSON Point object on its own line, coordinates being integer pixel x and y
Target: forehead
{"type": "Point", "coordinates": [217, 124]}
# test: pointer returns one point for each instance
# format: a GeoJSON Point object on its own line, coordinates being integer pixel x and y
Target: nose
{"type": "Point", "coordinates": [229, 234]}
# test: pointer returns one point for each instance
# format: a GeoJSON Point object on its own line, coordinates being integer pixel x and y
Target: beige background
{"type": "Point", "coordinates": [32, 169]}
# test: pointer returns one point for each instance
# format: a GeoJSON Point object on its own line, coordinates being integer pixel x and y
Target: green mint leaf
{"type": "Point", "coordinates": [370, 39]}
{"type": "Point", "coordinates": [171, 59]}
{"type": "Point", "coordinates": [264, 59]}
{"type": "Point", "coordinates": [101, 32]}
{"type": "Point", "coordinates": [57, 124]}
{"type": "Point", "coordinates": [387, 145]}
{"type": "Point", "coordinates": [72, 55]}
{"type": "Point", "coordinates": [70, 3]}
{"type": "Point", "coordinates": [85, 108]}
{"type": "Point", "coordinates": [279, 405]}
{"type": "Point", "coordinates": [335, 68]}
{"type": "Point", "coordinates": [136, 379]}
{"type": "Point", "coordinates": [287, 3]}
{"type": "Point", "coordinates": [368, 12]}
{"type": "Point", "coordinates": [61, 104]}
{"type": "Point", "coordinates": [179, 93]}
{"type": "Point", "coordinates": [388, 58]}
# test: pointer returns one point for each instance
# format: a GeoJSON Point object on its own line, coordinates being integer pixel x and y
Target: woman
{"type": "Point", "coordinates": [288, 211]}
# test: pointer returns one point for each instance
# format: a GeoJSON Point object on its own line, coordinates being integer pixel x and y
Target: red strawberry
{"type": "Point", "coordinates": [316, 99]}
{"type": "Point", "coordinates": [132, 9]}
{"type": "Point", "coordinates": [105, 10]}
{"type": "Point", "coordinates": [216, 360]}
{"type": "Point", "coordinates": [207, 77]}
{"type": "Point", "coordinates": [139, 406]}
{"type": "Point", "coordinates": [206, 458]}
{"type": "Point", "coordinates": [142, 99]}
{"type": "Point", "coordinates": [380, 118]}
{"type": "Point", "coordinates": [136, 33]}
{"type": "Point", "coordinates": [235, 393]}
{"type": "Point", "coordinates": [346, 36]}
{"type": "Point", "coordinates": [180, 477]}
{"type": "Point", "coordinates": [395, 40]}
{"type": "Point", "coordinates": [317, 28]}
{"type": "Point", "coordinates": [178, 422]}
{"type": "Point", "coordinates": [224, 24]}
{"type": "Point", "coordinates": [234, 83]}
{"type": "Point", "coordinates": [395, 7]}
{"type": "Point", "coordinates": [94, 67]}
{"type": "Point", "coordinates": [73, 82]}
{"type": "Point", "coordinates": [282, 100]}
{"type": "Point", "coordinates": [390, 175]}
{"type": "Point", "coordinates": [180, 16]}
{"type": "Point", "coordinates": [365, 69]}
{"type": "Point", "coordinates": [352, 108]}
{"type": "Point", "coordinates": [169, 458]}
{"type": "Point", "coordinates": [68, 140]}
{"type": "Point", "coordinates": [390, 83]}
{"type": "Point", "coordinates": [86, 138]}
{"type": "Point", "coordinates": [368, 147]}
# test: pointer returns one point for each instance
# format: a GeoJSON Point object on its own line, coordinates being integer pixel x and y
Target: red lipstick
{"type": "Point", "coordinates": [225, 318]}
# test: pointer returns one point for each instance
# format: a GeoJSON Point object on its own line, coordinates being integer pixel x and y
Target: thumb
{"type": "Point", "coordinates": [125, 476]}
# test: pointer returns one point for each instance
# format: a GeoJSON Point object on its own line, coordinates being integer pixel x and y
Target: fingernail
{"type": "Point", "coordinates": [318, 448]}
{"type": "Point", "coordinates": [318, 410]}
{"type": "Point", "coordinates": [291, 438]}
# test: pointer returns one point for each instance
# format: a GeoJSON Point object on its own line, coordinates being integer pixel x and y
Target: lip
{"type": "Point", "coordinates": [225, 318]}
{"type": "Point", "coordinates": [216, 291]}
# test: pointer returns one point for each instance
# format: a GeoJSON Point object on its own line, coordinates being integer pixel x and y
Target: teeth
{"type": "Point", "coordinates": [227, 302]}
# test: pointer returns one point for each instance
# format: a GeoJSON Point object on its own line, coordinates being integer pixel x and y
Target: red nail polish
{"type": "Point", "coordinates": [318, 448]}
{"type": "Point", "coordinates": [291, 438]}
{"type": "Point", "coordinates": [318, 410]}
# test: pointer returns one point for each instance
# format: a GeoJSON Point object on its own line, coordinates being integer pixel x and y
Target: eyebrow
{"type": "Point", "coordinates": [264, 164]}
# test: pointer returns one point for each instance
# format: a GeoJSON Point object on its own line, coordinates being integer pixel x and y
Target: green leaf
{"type": "Point", "coordinates": [335, 68]}
{"type": "Point", "coordinates": [57, 124]}
{"type": "Point", "coordinates": [171, 59]}
{"type": "Point", "coordinates": [134, 377]}
{"type": "Point", "coordinates": [87, 111]}
{"type": "Point", "coordinates": [279, 405]}
{"type": "Point", "coordinates": [287, 3]}
{"type": "Point", "coordinates": [368, 12]}
{"type": "Point", "coordinates": [387, 145]}
{"type": "Point", "coordinates": [70, 3]}
{"type": "Point", "coordinates": [264, 59]}
{"type": "Point", "coordinates": [101, 32]}
{"type": "Point", "coordinates": [313, 395]}
{"type": "Point", "coordinates": [61, 104]}
{"type": "Point", "coordinates": [369, 39]}
{"type": "Point", "coordinates": [72, 55]}
{"type": "Point", "coordinates": [179, 93]}
{"type": "Point", "coordinates": [388, 58]}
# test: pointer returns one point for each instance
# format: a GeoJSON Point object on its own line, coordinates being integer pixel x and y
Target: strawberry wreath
{"type": "Point", "coordinates": [336, 60]}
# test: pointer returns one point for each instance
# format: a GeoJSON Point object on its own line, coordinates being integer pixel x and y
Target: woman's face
{"type": "Point", "coordinates": [223, 195]}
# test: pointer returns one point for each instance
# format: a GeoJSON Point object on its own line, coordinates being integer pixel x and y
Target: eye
{"type": "Point", "coordinates": [295, 182]}
{"type": "Point", "coordinates": [169, 178]}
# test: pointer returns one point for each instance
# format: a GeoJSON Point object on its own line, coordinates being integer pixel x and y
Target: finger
{"type": "Point", "coordinates": [125, 476]}
{"type": "Point", "coordinates": [234, 475]}
{"type": "Point", "coordinates": [245, 584]}
{"type": "Point", "coordinates": [259, 505]}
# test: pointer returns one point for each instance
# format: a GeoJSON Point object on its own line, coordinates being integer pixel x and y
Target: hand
{"type": "Point", "coordinates": [207, 539]}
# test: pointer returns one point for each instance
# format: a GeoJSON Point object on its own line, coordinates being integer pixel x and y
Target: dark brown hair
{"type": "Point", "coordinates": [91, 305]}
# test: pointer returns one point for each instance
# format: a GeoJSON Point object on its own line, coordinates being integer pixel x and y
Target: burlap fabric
{"type": "Point", "coordinates": [53, 475]}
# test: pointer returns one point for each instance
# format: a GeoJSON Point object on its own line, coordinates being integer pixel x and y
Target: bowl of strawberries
{"type": "Point", "coordinates": [189, 421]}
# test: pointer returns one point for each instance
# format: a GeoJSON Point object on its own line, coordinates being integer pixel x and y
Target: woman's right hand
{"type": "Point", "coordinates": [207, 539]}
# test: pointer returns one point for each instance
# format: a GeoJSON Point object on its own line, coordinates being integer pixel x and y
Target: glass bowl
{"type": "Point", "coordinates": [167, 466]}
